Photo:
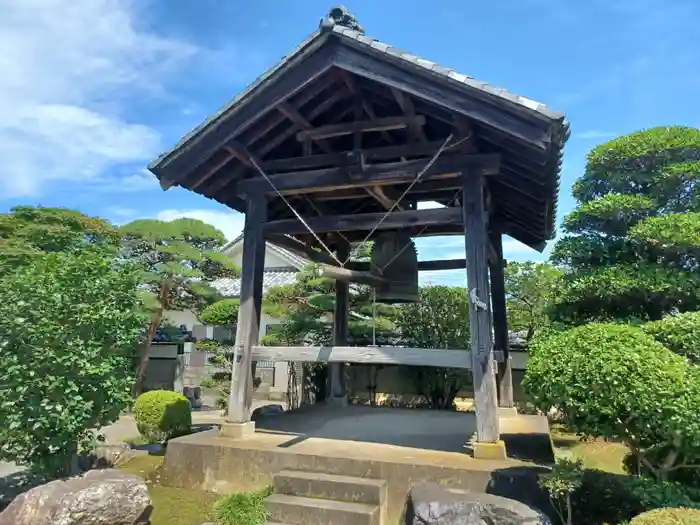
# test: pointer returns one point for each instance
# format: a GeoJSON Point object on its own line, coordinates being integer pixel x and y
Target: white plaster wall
{"type": "Point", "coordinates": [179, 317]}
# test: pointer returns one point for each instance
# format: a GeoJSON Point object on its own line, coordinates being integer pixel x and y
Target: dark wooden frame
{"type": "Point", "coordinates": [337, 134]}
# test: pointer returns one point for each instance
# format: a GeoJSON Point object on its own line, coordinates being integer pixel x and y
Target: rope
{"type": "Point", "coordinates": [294, 211]}
{"type": "Point", "coordinates": [388, 212]}
{"type": "Point", "coordinates": [415, 181]}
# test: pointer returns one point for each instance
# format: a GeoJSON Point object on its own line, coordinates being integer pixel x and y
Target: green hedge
{"type": "Point", "coordinates": [668, 517]}
{"type": "Point", "coordinates": [605, 498]}
{"type": "Point", "coordinates": [162, 414]}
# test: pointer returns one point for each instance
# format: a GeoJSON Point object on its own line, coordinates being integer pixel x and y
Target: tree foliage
{"type": "Point", "coordinates": [221, 313]}
{"type": "Point", "coordinates": [70, 323]}
{"type": "Point", "coordinates": [439, 320]}
{"type": "Point", "coordinates": [305, 310]}
{"type": "Point", "coordinates": [530, 291]}
{"type": "Point", "coordinates": [631, 246]}
{"type": "Point", "coordinates": [179, 261]}
{"type": "Point", "coordinates": [679, 333]}
{"type": "Point", "coordinates": [616, 382]}
{"type": "Point", "coordinates": [306, 306]}
{"type": "Point", "coordinates": [27, 232]}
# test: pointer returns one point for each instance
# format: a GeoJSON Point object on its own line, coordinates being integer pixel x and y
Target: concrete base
{"type": "Point", "coordinates": [237, 430]}
{"type": "Point", "coordinates": [414, 446]}
{"type": "Point", "coordinates": [337, 401]}
{"type": "Point", "coordinates": [490, 451]}
{"type": "Point", "coordinates": [507, 412]}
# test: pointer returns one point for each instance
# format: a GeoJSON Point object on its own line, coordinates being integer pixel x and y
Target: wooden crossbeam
{"type": "Point", "coordinates": [423, 266]}
{"type": "Point", "coordinates": [406, 105]}
{"type": "Point", "coordinates": [370, 155]}
{"type": "Point", "coordinates": [375, 174]}
{"type": "Point", "coordinates": [297, 118]}
{"type": "Point", "coordinates": [382, 124]}
{"type": "Point", "coordinates": [367, 221]}
{"type": "Point", "coordinates": [269, 145]}
{"type": "Point", "coordinates": [388, 355]}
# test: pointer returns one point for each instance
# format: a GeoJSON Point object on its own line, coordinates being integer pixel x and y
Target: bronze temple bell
{"type": "Point", "coordinates": [394, 258]}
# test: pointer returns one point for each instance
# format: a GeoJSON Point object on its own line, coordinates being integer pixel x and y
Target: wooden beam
{"type": "Point", "coordinates": [380, 174]}
{"type": "Point", "coordinates": [366, 221]}
{"type": "Point", "coordinates": [350, 276]}
{"type": "Point", "coordinates": [423, 266]}
{"type": "Point", "coordinates": [470, 102]}
{"type": "Point", "coordinates": [389, 355]}
{"type": "Point", "coordinates": [273, 142]}
{"type": "Point", "coordinates": [350, 82]}
{"type": "Point", "coordinates": [248, 326]}
{"type": "Point", "coordinates": [378, 193]}
{"type": "Point", "coordinates": [500, 321]}
{"type": "Point", "coordinates": [406, 105]}
{"type": "Point", "coordinates": [297, 118]}
{"type": "Point", "coordinates": [370, 155]}
{"type": "Point", "coordinates": [476, 242]}
{"type": "Point", "coordinates": [364, 126]}
{"type": "Point", "coordinates": [278, 86]}
{"type": "Point", "coordinates": [337, 392]}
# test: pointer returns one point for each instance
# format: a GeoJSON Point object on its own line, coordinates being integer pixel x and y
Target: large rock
{"type": "Point", "coordinates": [99, 497]}
{"type": "Point", "coordinates": [432, 504]}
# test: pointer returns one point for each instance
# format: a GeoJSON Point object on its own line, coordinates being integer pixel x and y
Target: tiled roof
{"type": "Point", "coordinates": [464, 80]}
{"type": "Point", "coordinates": [295, 260]}
{"type": "Point", "coordinates": [271, 277]}
{"type": "Point", "coordinates": [524, 107]}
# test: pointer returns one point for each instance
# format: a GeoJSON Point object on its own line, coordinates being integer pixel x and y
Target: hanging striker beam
{"type": "Point", "coordinates": [350, 276]}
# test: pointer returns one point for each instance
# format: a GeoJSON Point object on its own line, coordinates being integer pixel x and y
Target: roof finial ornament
{"type": "Point", "coordinates": [339, 15]}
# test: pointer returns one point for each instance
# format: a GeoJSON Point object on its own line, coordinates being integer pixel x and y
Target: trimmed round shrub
{"type": "Point", "coordinates": [162, 414]}
{"type": "Point", "coordinates": [679, 333]}
{"type": "Point", "coordinates": [221, 313]}
{"type": "Point", "coordinates": [612, 381]}
{"type": "Point", "coordinates": [668, 517]}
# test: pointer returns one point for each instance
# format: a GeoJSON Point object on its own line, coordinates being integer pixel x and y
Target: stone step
{"type": "Point", "coordinates": [330, 486]}
{"type": "Point", "coordinates": [297, 510]}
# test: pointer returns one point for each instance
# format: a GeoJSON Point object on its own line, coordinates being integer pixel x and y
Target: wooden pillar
{"type": "Point", "coordinates": [248, 329]}
{"type": "Point", "coordinates": [500, 321]}
{"type": "Point", "coordinates": [488, 444]}
{"type": "Point", "coordinates": [336, 371]}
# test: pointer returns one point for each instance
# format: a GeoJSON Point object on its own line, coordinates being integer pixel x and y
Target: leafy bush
{"type": "Point", "coordinates": [436, 321]}
{"type": "Point", "coordinates": [616, 382]}
{"type": "Point", "coordinates": [221, 313]}
{"type": "Point", "coordinates": [242, 508]}
{"type": "Point", "coordinates": [70, 323]}
{"type": "Point", "coordinates": [668, 517]}
{"type": "Point", "coordinates": [679, 333]}
{"type": "Point", "coordinates": [162, 414]}
{"type": "Point", "coordinates": [561, 483]}
{"type": "Point", "coordinates": [606, 498]}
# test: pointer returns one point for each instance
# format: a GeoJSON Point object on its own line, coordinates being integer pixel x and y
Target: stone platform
{"type": "Point", "coordinates": [399, 446]}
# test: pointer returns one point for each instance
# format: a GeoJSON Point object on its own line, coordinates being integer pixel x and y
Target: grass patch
{"type": "Point", "coordinates": [171, 505]}
{"type": "Point", "coordinates": [595, 454]}
{"type": "Point", "coordinates": [242, 508]}
{"type": "Point", "coordinates": [138, 441]}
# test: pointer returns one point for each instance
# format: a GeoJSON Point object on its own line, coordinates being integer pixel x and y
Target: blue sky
{"type": "Point", "coordinates": [92, 90]}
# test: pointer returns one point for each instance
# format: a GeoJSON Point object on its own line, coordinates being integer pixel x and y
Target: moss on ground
{"type": "Point", "coordinates": [595, 454]}
{"type": "Point", "coordinates": [171, 506]}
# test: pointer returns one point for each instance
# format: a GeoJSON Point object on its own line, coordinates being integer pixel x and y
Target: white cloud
{"type": "Point", "coordinates": [66, 69]}
{"type": "Point", "coordinates": [229, 223]}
